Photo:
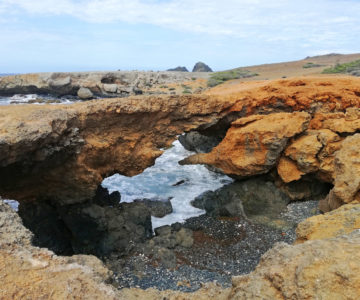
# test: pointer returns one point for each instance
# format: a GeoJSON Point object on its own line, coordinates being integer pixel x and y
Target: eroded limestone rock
{"type": "Point", "coordinates": [322, 269]}
{"type": "Point", "coordinates": [253, 145]}
{"type": "Point", "coordinates": [343, 220]}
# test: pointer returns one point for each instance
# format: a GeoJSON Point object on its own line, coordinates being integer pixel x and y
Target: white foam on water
{"type": "Point", "coordinates": [25, 98]}
{"type": "Point", "coordinates": [13, 203]}
{"type": "Point", "coordinates": [157, 182]}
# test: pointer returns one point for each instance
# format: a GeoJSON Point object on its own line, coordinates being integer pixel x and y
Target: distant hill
{"type": "Point", "coordinates": [309, 66]}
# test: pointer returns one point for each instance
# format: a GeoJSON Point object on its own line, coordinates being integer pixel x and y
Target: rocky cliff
{"type": "Point", "coordinates": [53, 159]}
{"type": "Point", "coordinates": [328, 268]}
{"type": "Point", "coordinates": [64, 152]}
{"type": "Point", "coordinates": [297, 128]}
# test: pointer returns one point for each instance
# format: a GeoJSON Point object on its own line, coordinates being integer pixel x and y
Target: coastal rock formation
{"type": "Point", "coordinates": [323, 269]}
{"type": "Point", "coordinates": [53, 158]}
{"type": "Point", "coordinates": [201, 67]}
{"type": "Point", "coordinates": [35, 273]}
{"type": "Point", "coordinates": [283, 272]}
{"type": "Point", "coordinates": [178, 69]}
{"type": "Point", "coordinates": [294, 131]}
{"type": "Point", "coordinates": [322, 145]}
{"type": "Point", "coordinates": [343, 220]}
{"type": "Point", "coordinates": [102, 84]}
{"type": "Point", "coordinates": [253, 144]}
{"type": "Point", "coordinates": [243, 199]}
{"type": "Point", "coordinates": [63, 153]}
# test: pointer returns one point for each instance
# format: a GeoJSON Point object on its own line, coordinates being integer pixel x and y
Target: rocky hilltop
{"type": "Point", "coordinates": [295, 132]}
{"type": "Point", "coordinates": [201, 67]}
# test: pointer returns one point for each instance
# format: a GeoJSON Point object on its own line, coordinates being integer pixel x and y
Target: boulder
{"type": "Point", "coordinates": [84, 93]}
{"type": "Point", "coordinates": [246, 199]}
{"type": "Point", "coordinates": [158, 208]}
{"type": "Point", "coordinates": [318, 269]}
{"type": "Point", "coordinates": [201, 67]}
{"type": "Point", "coordinates": [253, 144]}
{"type": "Point", "coordinates": [58, 82]}
{"type": "Point", "coordinates": [347, 174]}
{"type": "Point", "coordinates": [343, 220]}
{"type": "Point", "coordinates": [195, 141]}
{"type": "Point", "coordinates": [110, 88]}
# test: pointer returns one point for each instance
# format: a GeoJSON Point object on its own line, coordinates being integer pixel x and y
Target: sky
{"type": "Point", "coordinates": [78, 35]}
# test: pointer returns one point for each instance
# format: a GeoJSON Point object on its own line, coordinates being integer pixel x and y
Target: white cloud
{"type": "Point", "coordinates": [227, 17]}
{"type": "Point", "coordinates": [319, 23]}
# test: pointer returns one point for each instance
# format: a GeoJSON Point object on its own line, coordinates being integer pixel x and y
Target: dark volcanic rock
{"type": "Point", "coordinates": [91, 228]}
{"type": "Point", "coordinates": [158, 207]}
{"type": "Point", "coordinates": [201, 67]}
{"type": "Point", "coordinates": [195, 141]}
{"type": "Point", "coordinates": [104, 198]}
{"type": "Point", "coordinates": [249, 198]}
{"type": "Point", "coordinates": [178, 69]}
{"type": "Point", "coordinates": [167, 240]}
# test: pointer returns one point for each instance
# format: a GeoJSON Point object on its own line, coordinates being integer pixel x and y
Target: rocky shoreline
{"type": "Point", "coordinates": [283, 141]}
{"type": "Point", "coordinates": [92, 85]}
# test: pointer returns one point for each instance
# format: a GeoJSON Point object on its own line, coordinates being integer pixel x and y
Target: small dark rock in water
{"type": "Point", "coordinates": [104, 198]}
{"type": "Point", "coordinates": [178, 69]}
{"type": "Point", "coordinates": [201, 67]}
{"type": "Point", "coordinates": [158, 208]}
{"type": "Point", "coordinates": [180, 182]}
{"type": "Point", "coordinates": [138, 91]}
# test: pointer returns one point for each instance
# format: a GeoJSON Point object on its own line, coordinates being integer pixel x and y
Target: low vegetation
{"type": "Point", "coordinates": [352, 68]}
{"type": "Point", "coordinates": [220, 77]}
{"type": "Point", "coordinates": [311, 65]}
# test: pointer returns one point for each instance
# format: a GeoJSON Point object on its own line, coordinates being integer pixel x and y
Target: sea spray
{"type": "Point", "coordinates": [167, 179]}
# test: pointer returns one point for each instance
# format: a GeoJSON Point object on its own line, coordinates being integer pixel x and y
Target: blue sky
{"type": "Point", "coordinates": [78, 35]}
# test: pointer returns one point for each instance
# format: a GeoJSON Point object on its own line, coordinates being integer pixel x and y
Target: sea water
{"type": "Point", "coordinates": [26, 98]}
{"type": "Point", "coordinates": [160, 182]}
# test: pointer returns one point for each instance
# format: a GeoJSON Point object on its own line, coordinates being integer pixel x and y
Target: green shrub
{"type": "Point", "coordinates": [311, 65]}
{"type": "Point", "coordinates": [172, 89]}
{"type": "Point", "coordinates": [343, 68]}
{"type": "Point", "coordinates": [186, 91]}
{"type": "Point", "coordinates": [220, 77]}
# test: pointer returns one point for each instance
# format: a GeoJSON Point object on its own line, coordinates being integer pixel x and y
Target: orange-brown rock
{"type": "Point", "coordinates": [253, 145]}
{"type": "Point", "coordinates": [208, 292]}
{"type": "Point", "coordinates": [311, 152]}
{"type": "Point", "coordinates": [346, 175]}
{"type": "Point", "coordinates": [288, 170]}
{"type": "Point", "coordinates": [343, 220]}
{"type": "Point", "coordinates": [64, 152]}
{"type": "Point", "coordinates": [304, 150]}
{"type": "Point", "coordinates": [313, 94]}
{"type": "Point", "coordinates": [340, 122]}
{"type": "Point", "coordinates": [319, 269]}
